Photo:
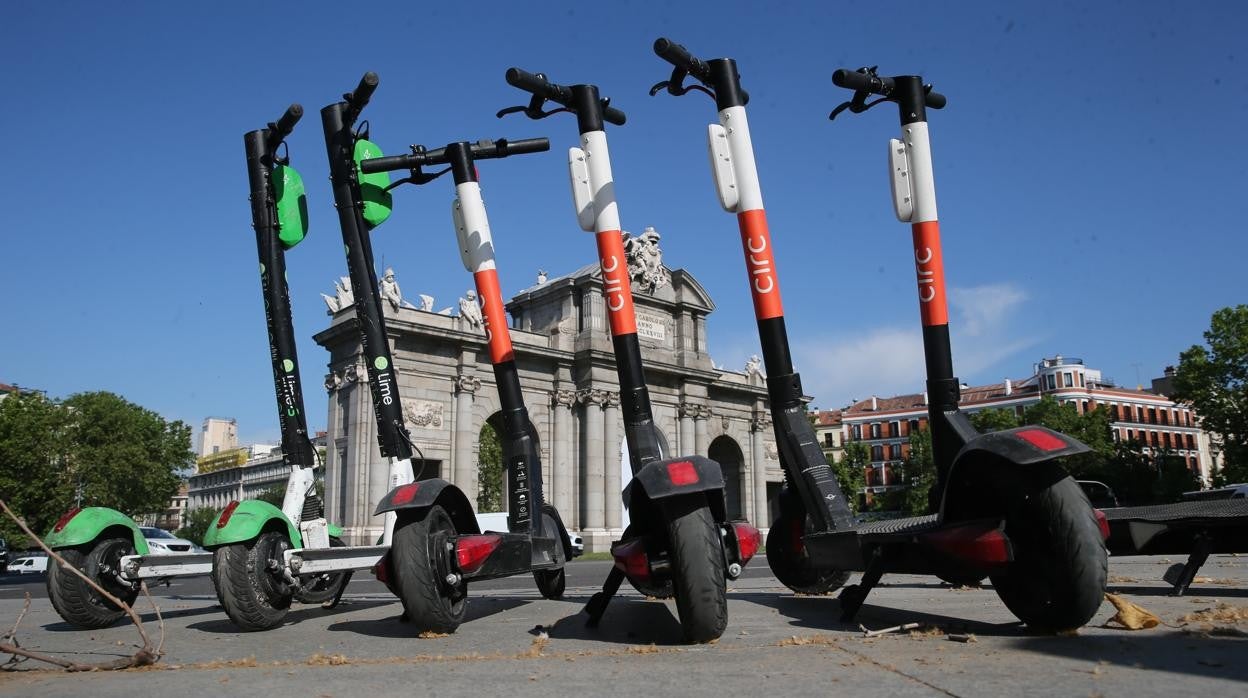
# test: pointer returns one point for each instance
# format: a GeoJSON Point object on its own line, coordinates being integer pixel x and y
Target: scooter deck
{"type": "Point", "coordinates": [846, 549]}
{"type": "Point", "coordinates": [1173, 528]}
{"type": "Point", "coordinates": [1210, 511]}
{"type": "Point", "coordinates": [321, 560]}
{"type": "Point", "coordinates": [136, 567]}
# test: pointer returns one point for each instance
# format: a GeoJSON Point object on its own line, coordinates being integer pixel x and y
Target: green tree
{"type": "Point", "coordinates": [274, 494]}
{"type": "Point", "coordinates": [919, 473]}
{"type": "Point", "coordinates": [994, 419]}
{"type": "Point", "coordinates": [97, 447]}
{"type": "Point", "coordinates": [32, 457]}
{"type": "Point", "coordinates": [197, 523]}
{"type": "Point", "coordinates": [851, 471]}
{"type": "Point", "coordinates": [490, 471]}
{"type": "Point", "coordinates": [1214, 379]}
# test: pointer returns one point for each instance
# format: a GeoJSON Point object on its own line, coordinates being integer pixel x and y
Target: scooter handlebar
{"type": "Point", "coordinates": [862, 82]}
{"type": "Point", "coordinates": [680, 57]}
{"type": "Point", "coordinates": [502, 147]}
{"type": "Point", "coordinates": [364, 91]}
{"type": "Point", "coordinates": [281, 128]}
{"type": "Point", "coordinates": [537, 84]}
{"type": "Point", "coordinates": [481, 150]}
{"type": "Point", "coordinates": [390, 163]}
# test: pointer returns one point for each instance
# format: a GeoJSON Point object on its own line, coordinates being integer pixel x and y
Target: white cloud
{"type": "Point", "coordinates": [884, 361]}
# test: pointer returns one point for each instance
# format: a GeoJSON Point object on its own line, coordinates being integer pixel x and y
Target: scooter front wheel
{"type": "Point", "coordinates": [249, 583]}
{"type": "Point", "coordinates": [431, 602]}
{"type": "Point", "coordinates": [320, 588]}
{"type": "Point", "coordinates": [552, 582]}
{"type": "Point", "coordinates": [790, 562]}
{"type": "Point", "coordinates": [1057, 579]}
{"type": "Point", "coordinates": [74, 599]}
{"type": "Point", "coordinates": [698, 579]}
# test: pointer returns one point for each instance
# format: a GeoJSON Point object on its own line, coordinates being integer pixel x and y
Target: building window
{"type": "Point", "coordinates": [914, 426]}
{"type": "Point", "coordinates": [1070, 380]}
{"type": "Point", "coordinates": [894, 429]}
{"type": "Point", "coordinates": [877, 453]}
{"type": "Point", "coordinates": [875, 430]}
{"type": "Point", "coordinates": [828, 441]}
{"type": "Point", "coordinates": [894, 452]}
{"type": "Point", "coordinates": [1052, 381]}
{"type": "Point", "coordinates": [1081, 385]}
{"type": "Point", "coordinates": [1152, 415]}
{"type": "Point", "coordinates": [857, 432]}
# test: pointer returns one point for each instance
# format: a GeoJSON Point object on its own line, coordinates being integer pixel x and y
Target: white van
{"type": "Point", "coordinates": [35, 564]}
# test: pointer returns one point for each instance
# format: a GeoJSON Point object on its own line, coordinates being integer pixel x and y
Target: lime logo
{"type": "Point", "coordinates": [288, 365]}
{"type": "Point", "coordinates": [347, 249]}
{"type": "Point", "coordinates": [381, 363]}
{"type": "Point", "coordinates": [262, 269]}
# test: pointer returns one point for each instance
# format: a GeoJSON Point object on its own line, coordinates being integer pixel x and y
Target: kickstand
{"type": "Point", "coordinates": [333, 603]}
{"type": "Point", "coordinates": [1180, 575]}
{"type": "Point", "coordinates": [853, 596]}
{"type": "Point", "coordinates": [598, 604]}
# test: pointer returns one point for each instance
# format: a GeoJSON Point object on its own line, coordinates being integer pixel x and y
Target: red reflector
{"type": "Point", "coordinates": [471, 551]}
{"type": "Point", "coordinates": [64, 520]}
{"type": "Point", "coordinates": [980, 543]}
{"type": "Point", "coordinates": [630, 558]}
{"type": "Point", "coordinates": [748, 540]}
{"type": "Point", "coordinates": [1103, 522]}
{"type": "Point", "coordinates": [226, 513]}
{"type": "Point", "coordinates": [682, 472]}
{"type": "Point", "coordinates": [381, 570]}
{"type": "Point", "coordinates": [1041, 439]}
{"type": "Point", "coordinates": [405, 494]}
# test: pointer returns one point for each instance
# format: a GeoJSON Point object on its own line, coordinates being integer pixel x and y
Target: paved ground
{"type": "Point", "coordinates": [776, 642]}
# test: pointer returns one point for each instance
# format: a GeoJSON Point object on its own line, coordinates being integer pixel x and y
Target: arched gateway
{"type": "Point", "coordinates": [564, 356]}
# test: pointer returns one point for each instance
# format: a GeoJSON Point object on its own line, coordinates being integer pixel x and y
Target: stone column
{"type": "Point", "coordinates": [687, 411]}
{"type": "Point", "coordinates": [759, 427]}
{"type": "Point", "coordinates": [465, 474]}
{"type": "Point", "coordinates": [701, 441]}
{"type": "Point", "coordinates": [611, 456]}
{"type": "Point", "coordinates": [561, 462]}
{"type": "Point", "coordinates": [594, 482]}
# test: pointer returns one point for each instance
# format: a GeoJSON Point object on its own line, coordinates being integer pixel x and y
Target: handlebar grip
{"type": "Point", "coordinates": [614, 116]}
{"type": "Point", "coordinates": [526, 145]}
{"type": "Point", "coordinates": [537, 85]}
{"type": "Point", "coordinates": [858, 82]}
{"type": "Point", "coordinates": [388, 163]}
{"type": "Point", "coordinates": [935, 100]}
{"type": "Point", "coordinates": [363, 91]}
{"type": "Point", "coordinates": [680, 57]}
{"type": "Point", "coordinates": [286, 124]}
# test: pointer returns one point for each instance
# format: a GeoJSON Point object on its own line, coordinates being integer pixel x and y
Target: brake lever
{"type": "Point", "coordinates": [676, 86]}
{"type": "Point", "coordinates": [857, 105]}
{"type": "Point", "coordinates": [417, 177]}
{"type": "Point", "coordinates": [530, 112]}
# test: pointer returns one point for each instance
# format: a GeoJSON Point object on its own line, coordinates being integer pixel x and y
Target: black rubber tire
{"type": "Point", "coordinates": [697, 568]}
{"type": "Point", "coordinates": [252, 596]}
{"type": "Point", "coordinates": [790, 561]}
{"type": "Point", "coordinates": [429, 602]}
{"type": "Point", "coordinates": [319, 588]}
{"type": "Point", "coordinates": [552, 582]}
{"type": "Point", "coordinates": [1057, 579]}
{"type": "Point", "coordinates": [75, 600]}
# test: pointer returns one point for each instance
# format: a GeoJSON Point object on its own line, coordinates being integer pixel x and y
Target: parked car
{"type": "Point", "coordinates": [4, 554]}
{"type": "Point", "coordinates": [162, 542]}
{"type": "Point", "coordinates": [31, 564]}
{"type": "Point", "coordinates": [1099, 494]}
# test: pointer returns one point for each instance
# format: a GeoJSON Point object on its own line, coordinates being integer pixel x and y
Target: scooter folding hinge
{"type": "Point", "coordinates": [582, 189]}
{"type": "Point", "coordinates": [899, 179]}
{"type": "Point", "coordinates": [722, 167]}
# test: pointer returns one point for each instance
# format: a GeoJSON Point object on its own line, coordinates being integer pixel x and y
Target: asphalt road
{"type": "Point", "coordinates": [776, 643]}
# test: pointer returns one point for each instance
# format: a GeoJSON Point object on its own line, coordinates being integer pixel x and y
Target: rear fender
{"type": "Point", "coordinates": [680, 476]}
{"type": "Point", "coordinates": [249, 519]}
{"type": "Point", "coordinates": [89, 523]}
{"type": "Point", "coordinates": [994, 469]}
{"type": "Point", "coordinates": [412, 502]}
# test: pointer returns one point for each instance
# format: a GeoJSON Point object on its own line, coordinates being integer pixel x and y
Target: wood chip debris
{"type": "Point", "coordinates": [1129, 615]}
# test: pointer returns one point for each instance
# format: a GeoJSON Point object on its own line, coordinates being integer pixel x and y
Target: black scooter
{"type": "Point", "coordinates": [1002, 506]}
{"type": "Point", "coordinates": [536, 539]}
{"type": "Point", "coordinates": [678, 542]}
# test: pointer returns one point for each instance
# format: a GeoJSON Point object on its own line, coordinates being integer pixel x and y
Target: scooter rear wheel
{"type": "Point", "coordinates": [790, 562]}
{"type": "Point", "coordinates": [697, 568]}
{"type": "Point", "coordinates": [74, 599]}
{"type": "Point", "coordinates": [253, 595]}
{"type": "Point", "coordinates": [552, 582]}
{"type": "Point", "coordinates": [431, 603]}
{"type": "Point", "coordinates": [1057, 579]}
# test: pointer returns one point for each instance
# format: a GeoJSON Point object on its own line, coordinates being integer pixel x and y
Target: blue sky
{"type": "Point", "coordinates": [1087, 170]}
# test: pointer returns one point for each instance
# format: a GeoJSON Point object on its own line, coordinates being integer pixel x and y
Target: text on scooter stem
{"type": "Point", "coordinates": [615, 283]}
{"type": "Point", "coordinates": [930, 273]}
{"type": "Point", "coordinates": [759, 264]}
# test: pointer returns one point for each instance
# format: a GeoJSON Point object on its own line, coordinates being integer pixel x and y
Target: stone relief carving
{"type": "Point", "coordinates": [770, 452]}
{"type": "Point", "coordinates": [343, 296]}
{"type": "Point", "coordinates": [563, 398]}
{"type": "Point", "coordinates": [541, 276]}
{"type": "Point", "coordinates": [467, 384]}
{"type": "Point", "coordinates": [426, 303]}
{"type": "Point", "coordinates": [333, 382]}
{"type": "Point", "coordinates": [390, 292]}
{"type": "Point", "coordinates": [611, 400]}
{"type": "Point", "coordinates": [425, 414]}
{"type": "Point", "coordinates": [754, 366]}
{"type": "Point", "coordinates": [645, 261]}
{"type": "Point", "coordinates": [760, 422]}
{"type": "Point", "coordinates": [593, 396]}
{"type": "Point", "coordinates": [470, 309]}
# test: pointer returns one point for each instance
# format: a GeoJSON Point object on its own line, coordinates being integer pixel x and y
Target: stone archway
{"type": "Point", "coordinates": [725, 451]}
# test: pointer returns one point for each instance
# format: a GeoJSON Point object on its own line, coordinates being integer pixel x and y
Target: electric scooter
{"type": "Point", "coordinates": [536, 539]}
{"type": "Point", "coordinates": [1002, 506]}
{"type": "Point", "coordinates": [109, 546]}
{"type": "Point", "coordinates": [678, 533]}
